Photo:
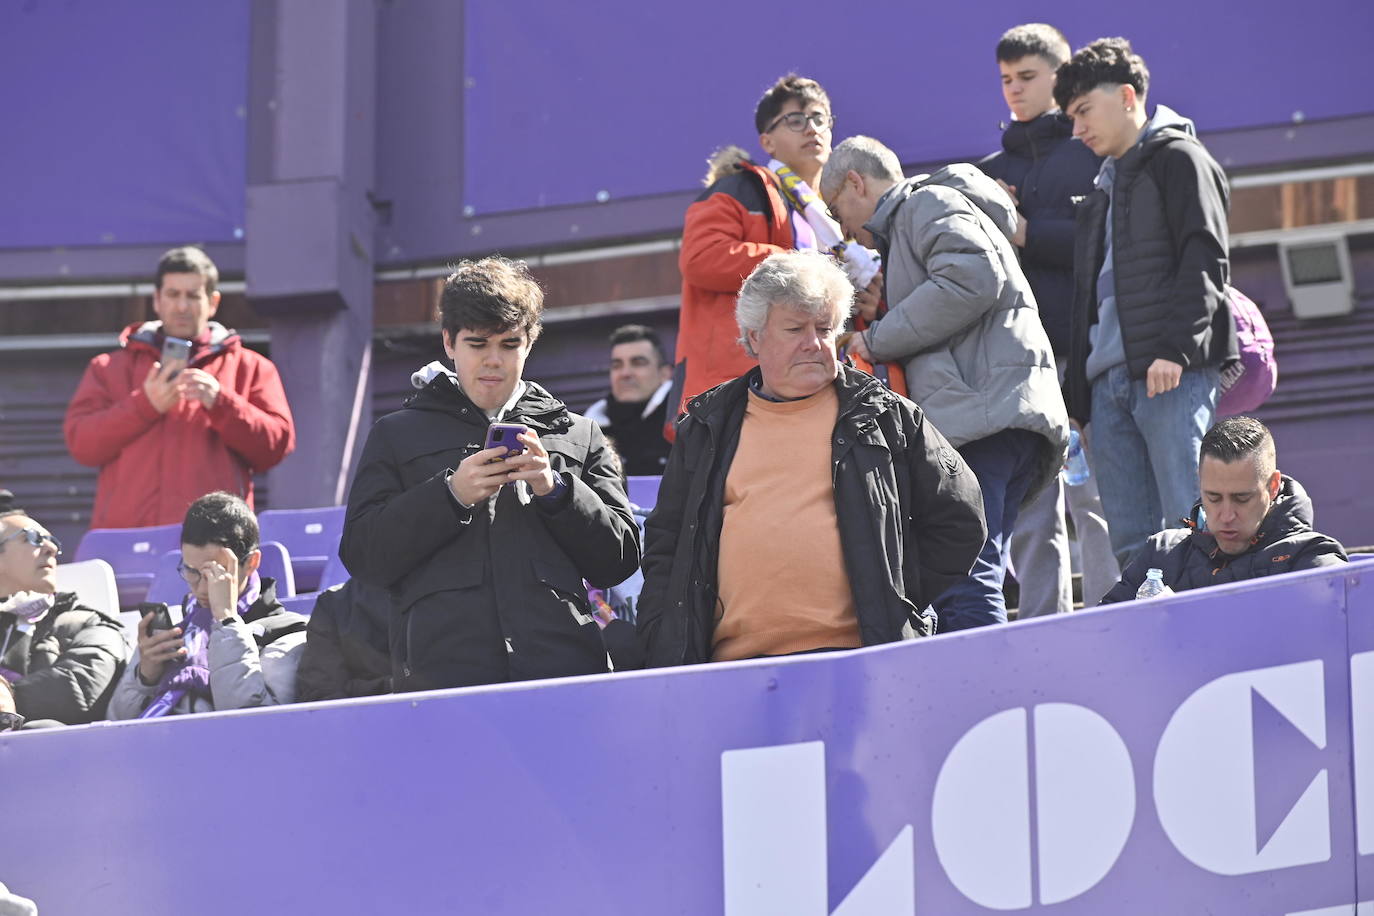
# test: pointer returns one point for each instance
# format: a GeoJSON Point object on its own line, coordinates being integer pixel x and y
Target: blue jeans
{"type": "Point", "coordinates": [1004, 464]}
{"type": "Point", "coordinates": [1145, 452]}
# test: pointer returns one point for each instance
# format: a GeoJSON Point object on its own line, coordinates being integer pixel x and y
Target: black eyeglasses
{"type": "Point", "coordinates": [796, 121]}
{"type": "Point", "coordinates": [34, 537]}
{"type": "Point", "coordinates": [193, 575]}
{"type": "Point", "coordinates": [11, 721]}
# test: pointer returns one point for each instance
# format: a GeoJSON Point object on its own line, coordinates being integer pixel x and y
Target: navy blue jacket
{"type": "Point", "coordinates": [1050, 171]}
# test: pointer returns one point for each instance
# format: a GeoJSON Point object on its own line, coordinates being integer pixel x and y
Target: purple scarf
{"type": "Point", "coordinates": [192, 675]}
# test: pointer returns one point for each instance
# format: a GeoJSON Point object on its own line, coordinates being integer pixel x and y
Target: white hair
{"type": "Point", "coordinates": [860, 154]}
{"type": "Point", "coordinates": [805, 281]}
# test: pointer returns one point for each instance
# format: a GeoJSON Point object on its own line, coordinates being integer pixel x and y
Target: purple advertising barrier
{"type": "Point", "coordinates": [1360, 601]}
{"type": "Point", "coordinates": [1185, 755]}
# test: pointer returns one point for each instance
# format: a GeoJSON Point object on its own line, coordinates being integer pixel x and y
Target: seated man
{"type": "Point", "coordinates": [805, 506]}
{"type": "Point", "coordinates": [236, 647]}
{"type": "Point", "coordinates": [633, 414]}
{"type": "Point", "coordinates": [347, 652]}
{"type": "Point", "coordinates": [1252, 520]}
{"type": "Point", "coordinates": [485, 549]}
{"type": "Point", "coordinates": [63, 658]}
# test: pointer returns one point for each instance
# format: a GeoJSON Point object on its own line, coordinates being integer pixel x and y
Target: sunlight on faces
{"type": "Point", "coordinates": [796, 352]}
{"type": "Point", "coordinates": [488, 363]}
{"type": "Point", "coordinates": [1105, 119]}
{"type": "Point", "coordinates": [183, 304]}
{"type": "Point", "coordinates": [24, 567]}
{"type": "Point", "coordinates": [199, 558]}
{"type": "Point", "coordinates": [636, 372]}
{"type": "Point", "coordinates": [1027, 86]}
{"type": "Point", "coordinates": [1236, 495]}
{"type": "Point", "coordinates": [803, 151]}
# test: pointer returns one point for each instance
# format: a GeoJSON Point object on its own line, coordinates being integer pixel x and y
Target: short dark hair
{"type": "Point", "coordinates": [188, 260]}
{"type": "Point", "coordinates": [1105, 62]}
{"type": "Point", "coordinates": [1236, 438]}
{"type": "Point", "coordinates": [790, 87]}
{"type": "Point", "coordinates": [223, 520]}
{"type": "Point", "coordinates": [634, 333]}
{"type": "Point", "coordinates": [493, 294]}
{"type": "Point", "coordinates": [1034, 38]}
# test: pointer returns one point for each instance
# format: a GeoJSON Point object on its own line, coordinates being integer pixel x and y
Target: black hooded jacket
{"type": "Point", "coordinates": [1051, 171]}
{"type": "Point", "coordinates": [1190, 559]}
{"type": "Point", "coordinates": [69, 662]}
{"type": "Point", "coordinates": [494, 593]}
{"type": "Point", "coordinates": [1169, 247]}
{"type": "Point", "coordinates": [909, 509]}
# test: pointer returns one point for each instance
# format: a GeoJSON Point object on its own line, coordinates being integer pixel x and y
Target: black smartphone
{"type": "Point", "coordinates": [176, 351]}
{"type": "Point", "coordinates": [165, 617]}
{"type": "Point", "coordinates": [505, 434]}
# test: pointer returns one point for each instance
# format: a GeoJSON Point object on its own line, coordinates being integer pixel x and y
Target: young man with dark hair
{"type": "Point", "coordinates": [484, 549]}
{"type": "Point", "coordinates": [236, 647]}
{"type": "Point", "coordinates": [62, 657]}
{"type": "Point", "coordinates": [633, 414]}
{"type": "Point", "coordinates": [1253, 520]}
{"type": "Point", "coordinates": [1151, 326]}
{"type": "Point", "coordinates": [164, 434]}
{"type": "Point", "coordinates": [747, 213]}
{"type": "Point", "coordinates": [1046, 171]}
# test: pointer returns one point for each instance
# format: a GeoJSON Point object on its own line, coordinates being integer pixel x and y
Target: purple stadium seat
{"type": "Point", "coordinates": [643, 491]}
{"type": "Point", "coordinates": [133, 553]}
{"type": "Point", "coordinates": [335, 573]}
{"type": "Point", "coordinates": [301, 604]}
{"type": "Point", "coordinates": [311, 536]}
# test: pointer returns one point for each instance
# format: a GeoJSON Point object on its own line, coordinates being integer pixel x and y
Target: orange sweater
{"type": "Point", "coordinates": [783, 586]}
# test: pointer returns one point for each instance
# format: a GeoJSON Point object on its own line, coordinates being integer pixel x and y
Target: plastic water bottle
{"type": "Point", "coordinates": [1076, 470]}
{"type": "Point", "coordinates": [1153, 586]}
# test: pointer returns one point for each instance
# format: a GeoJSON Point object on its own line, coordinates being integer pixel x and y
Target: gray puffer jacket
{"type": "Point", "coordinates": [962, 315]}
{"type": "Point", "coordinates": [1190, 559]}
{"type": "Point", "coordinates": [253, 663]}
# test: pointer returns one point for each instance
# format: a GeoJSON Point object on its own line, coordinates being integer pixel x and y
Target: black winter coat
{"type": "Point", "coordinates": [70, 662]}
{"type": "Point", "coordinates": [347, 650]}
{"type": "Point", "coordinates": [909, 509]}
{"type": "Point", "coordinates": [1191, 559]}
{"type": "Point", "coordinates": [1051, 171]}
{"type": "Point", "coordinates": [486, 595]}
{"type": "Point", "coordinates": [1169, 224]}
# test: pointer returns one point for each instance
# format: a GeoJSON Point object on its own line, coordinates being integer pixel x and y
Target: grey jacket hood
{"type": "Point", "coordinates": [986, 194]}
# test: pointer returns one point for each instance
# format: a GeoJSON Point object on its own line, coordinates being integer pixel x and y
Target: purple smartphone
{"type": "Point", "coordinates": [499, 434]}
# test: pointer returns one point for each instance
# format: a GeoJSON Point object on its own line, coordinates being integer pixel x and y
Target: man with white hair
{"type": "Point", "coordinates": [805, 506]}
{"type": "Point", "coordinates": [963, 319]}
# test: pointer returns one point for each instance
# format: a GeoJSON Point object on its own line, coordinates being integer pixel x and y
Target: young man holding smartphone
{"type": "Point", "coordinates": [180, 409]}
{"type": "Point", "coordinates": [484, 548]}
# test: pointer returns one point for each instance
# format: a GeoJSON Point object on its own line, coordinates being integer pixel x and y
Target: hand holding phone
{"type": "Point", "coordinates": [164, 616]}
{"type": "Point", "coordinates": [507, 436]}
{"type": "Point", "coordinates": [176, 352]}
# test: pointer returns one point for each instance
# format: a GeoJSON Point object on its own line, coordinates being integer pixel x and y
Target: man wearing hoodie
{"type": "Point", "coordinates": [963, 318]}
{"type": "Point", "coordinates": [1046, 171]}
{"type": "Point", "coordinates": [1150, 326]}
{"type": "Point", "coordinates": [1252, 520]}
{"type": "Point", "coordinates": [165, 435]}
{"type": "Point", "coordinates": [747, 213]}
{"type": "Point", "coordinates": [485, 550]}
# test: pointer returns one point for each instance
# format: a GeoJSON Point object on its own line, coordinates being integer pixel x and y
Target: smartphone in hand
{"type": "Point", "coordinates": [164, 617]}
{"type": "Point", "coordinates": [504, 434]}
{"type": "Point", "coordinates": [176, 351]}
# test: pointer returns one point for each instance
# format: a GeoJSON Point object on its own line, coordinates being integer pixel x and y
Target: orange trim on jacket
{"type": "Point", "coordinates": [736, 223]}
{"type": "Point", "coordinates": [152, 465]}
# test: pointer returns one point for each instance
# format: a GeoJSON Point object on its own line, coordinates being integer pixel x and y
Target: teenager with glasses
{"type": "Point", "coordinates": [748, 212]}
{"type": "Point", "coordinates": [61, 657]}
{"type": "Point", "coordinates": [236, 647]}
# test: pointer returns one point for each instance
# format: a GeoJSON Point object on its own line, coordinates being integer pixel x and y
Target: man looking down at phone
{"type": "Point", "coordinates": [805, 506]}
{"type": "Point", "coordinates": [61, 657]}
{"type": "Point", "coordinates": [234, 646]}
{"type": "Point", "coordinates": [484, 534]}
{"type": "Point", "coordinates": [166, 422]}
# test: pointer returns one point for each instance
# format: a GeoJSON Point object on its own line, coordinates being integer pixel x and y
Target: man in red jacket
{"type": "Point", "coordinates": [165, 435]}
{"type": "Point", "coordinates": [741, 218]}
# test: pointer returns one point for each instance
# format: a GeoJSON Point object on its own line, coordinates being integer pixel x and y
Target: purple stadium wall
{"type": "Point", "coordinates": [1210, 753]}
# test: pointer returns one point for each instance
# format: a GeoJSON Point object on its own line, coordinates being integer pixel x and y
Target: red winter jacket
{"type": "Point", "coordinates": [736, 223]}
{"type": "Point", "coordinates": [153, 466]}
